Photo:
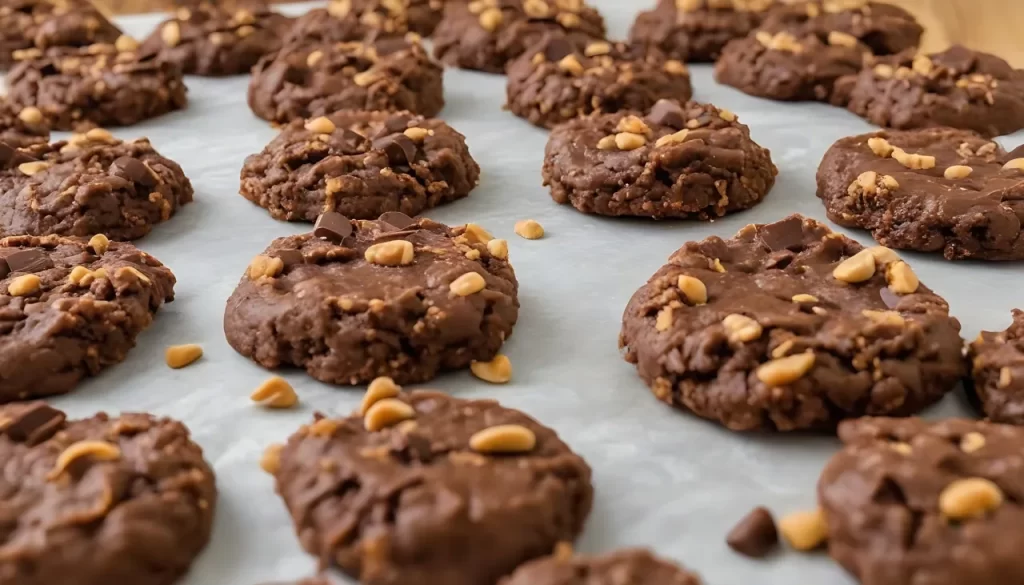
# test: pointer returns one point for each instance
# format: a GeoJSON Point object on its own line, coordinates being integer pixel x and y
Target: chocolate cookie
{"type": "Point", "coordinates": [28, 27]}
{"type": "Point", "coordinates": [69, 308]}
{"type": "Point", "coordinates": [487, 34]}
{"type": "Point", "coordinates": [554, 81]}
{"type": "Point", "coordinates": [99, 85]}
{"type": "Point", "coordinates": [375, 298]}
{"type": "Point", "coordinates": [697, 30]}
{"type": "Point", "coordinates": [625, 567]}
{"type": "Point", "coordinates": [791, 326]}
{"type": "Point", "coordinates": [997, 377]}
{"type": "Point", "coordinates": [90, 184]}
{"type": "Point", "coordinates": [958, 87]}
{"type": "Point", "coordinates": [909, 501]}
{"type": "Point", "coordinates": [360, 164]}
{"type": "Point", "coordinates": [782, 66]}
{"type": "Point", "coordinates": [679, 161]}
{"type": "Point", "coordinates": [102, 500]}
{"type": "Point", "coordinates": [212, 40]}
{"type": "Point", "coordinates": [20, 127]}
{"type": "Point", "coordinates": [319, 79]}
{"type": "Point", "coordinates": [424, 488]}
{"type": "Point", "coordinates": [885, 28]}
{"type": "Point", "coordinates": [354, 20]}
{"type": "Point", "coordinates": [936, 189]}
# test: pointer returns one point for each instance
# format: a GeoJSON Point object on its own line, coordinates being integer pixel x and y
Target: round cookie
{"type": "Point", "coordinates": [909, 501]}
{"type": "Point", "coordinates": [884, 28]}
{"type": "Point", "coordinates": [997, 374]}
{"type": "Point", "coordinates": [695, 31]}
{"type": "Point", "coordinates": [790, 326]}
{"type": "Point", "coordinates": [28, 27]}
{"type": "Point", "coordinates": [20, 127]}
{"type": "Point", "coordinates": [102, 500]}
{"type": "Point", "coordinates": [375, 298]}
{"type": "Point", "coordinates": [318, 79]}
{"type": "Point", "coordinates": [99, 85]}
{"type": "Point", "coordinates": [783, 66]}
{"type": "Point", "coordinates": [69, 309]}
{"type": "Point", "coordinates": [931, 190]}
{"type": "Point", "coordinates": [554, 81]}
{"type": "Point", "coordinates": [680, 161]}
{"type": "Point", "coordinates": [92, 183]}
{"type": "Point", "coordinates": [958, 87]}
{"type": "Point", "coordinates": [354, 20]}
{"type": "Point", "coordinates": [625, 567]}
{"type": "Point", "coordinates": [461, 492]}
{"type": "Point", "coordinates": [360, 164]}
{"type": "Point", "coordinates": [214, 41]}
{"type": "Point", "coordinates": [487, 34]}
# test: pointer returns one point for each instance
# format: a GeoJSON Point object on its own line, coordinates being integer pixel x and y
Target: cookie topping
{"type": "Point", "coordinates": [32, 423]}
{"type": "Point", "coordinates": [385, 413]}
{"type": "Point", "coordinates": [24, 285]}
{"type": "Point", "coordinates": [95, 450]}
{"type": "Point", "coordinates": [391, 253]}
{"type": "Point", "coordinates": [179, 356]}
{"type": "Point", "coordinates": [742, 329]}
{"type": "Point", "coordinates": [275, 392]}
{"type": "Point", "coordinates": [668, 113]}
{"type": "Point", "coordinates": [379, 389]}
{"type": "Point", "coordinates": [786, 370]}
{"type": "Point", "coordinates": [755, 535]}
{"type": "Point", "coordinates": [332, 226]}
{"type": "Point", "coordinates": [804, 531]}
{"type": "Point", "coordinates": [503, 439]}
{"type": "Point", "coordinates": [468, 284]}
{"type": "Point", "coordinates": [496, 371]}
{"type": "Point", "coordinates": [265, 266]}
{"type": "Point", "coordinates": [965, 499]}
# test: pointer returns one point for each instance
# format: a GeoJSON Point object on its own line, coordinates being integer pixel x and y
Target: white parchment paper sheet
{"type": "Point", "coordinates": [664, 479]}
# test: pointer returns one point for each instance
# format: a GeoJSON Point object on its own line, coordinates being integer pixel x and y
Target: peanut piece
{"type": "Point", "coordinates": [24, 285]}
{"type": "Point", "coordinates": [275, 392]}
{"type": "Point", "coordinates": [365, 78]}
{"type": "Point", "coordinates": [314, 58]}
{"type": "Point", "coordinates": [880, 146]}
{"type": "Point", "coordinates": [476, 234]}
{"type": "Point", "coordinates": [498, 249]}
{"type": "Point", "coordinates": [490, 19]}
{"type": "Point", "coordinates": [625, 141]}
{"type": "Point", "coordinates": [804, 530]}
{"type": "Point", "coordinates": [171, 34]}
{"type": "Point", "coordinates": [632, 124]}
{"type": "Point", "coordinates": [804, 298]}
{"type": "Point", "coordinates": [31, 168]}
{"type": "Point", "coordinates": [883, 255]}
{"type": "Point", "coordinates": [271, 459]}
{"type": "Point", "coordinates": [785, 370]}
{"type": "Point", "coordinates": [607, 143]}
{"type": "Point", "coordinates": [726, 115]}
{"type": "Point", "coordinates": [467, 284]}
{"type": "Point", "coordinates": [417, 134]}
{"type": "Point", "coordinates": [503, 439]}
{"type": "Point", "coordinates": [529, 229]}
{"type": "Point", "coordinates": [31, 115]}
{"type": "Point", "coordinates": [571, 64]}
{"type": "Point", "coordinates": [841, 39]}
{"type": "Point", "coordinates": [1005, 377]}
{"type": "Point", "coordinates": [597, 49]}
{"type": "Point", "coordinates": [664, 319]}
{"type": "Point", "coordinates": [393, 253]}
{"type": "Point", "coordinates": [265, 266]}
{"type": "Point", "coordinates": [913, 161]}
{"type": "Point", "coordinates": [1017, 163]}
{"type": "Point", "coordinates": [741, 328]}
{"type": "Point", "coordinates": [675, 67]}
{"type": "Point", "coordinates": [693, 289]}
{"type": "Point", "coordinates": [969, 498]}
{"type": "Point", "coordinates": [321, 125]}
{"type": "Point", "coordinates": [856, 268]}
{"type": "Point", "coordinates": [496, 371]}
{"type": "Point", "coordinates": [99, 244]}
{"type": "Point", "coordinates": [971, 442]}
{"type": "Point", "coordinates": [901, 278]}
{"type": "Point", "coordinates": [179, 356]}
{"type": "Point", "coordinates": [122, 271]}
{"type": "Point", "coordinates": [674, 138]}
{"type": "Point", "coordinates": [885, 317]}
{"type": "Point", "coordinates": [957, 172]}
{"type": "Point", "coordinates": [379, 389]}
{"type": "Point", "coordinates": [79, 275]}
{"type": "Point", "coordinates": [385, 413]}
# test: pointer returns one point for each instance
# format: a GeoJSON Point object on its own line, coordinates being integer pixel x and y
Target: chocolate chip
{"type": "Point", "coordinates": [669, 113]}
{"type": "Point", "coordinates": [291, 257]}
{"type": "Point", "coordinates": [401, 150]}
{"type": "Point", "coordinates": [557, 48]}
{"type": "Point", "coordinates": [332, 226]}
{"type": "Point", "coordinates": [351, 139]}
{"type": "Point", "coordinates": [132, 170]}
{"type": "Point", "coordinates": [32, 423]}
{"type": "Point", "coordinates": [29, 261]}
{"type": "Point", "coordinates": [787, 234]}
{"type": "Point", "coordinates": [4, 268]}
{"type": "Point", "coordinates": [11, 157]}
{"type": "Point", "coordinates": [397, 219]}
{"type": "Point", "coordinates": [755, 535]}
{"type": "Point", "coordinates": [393, 125]}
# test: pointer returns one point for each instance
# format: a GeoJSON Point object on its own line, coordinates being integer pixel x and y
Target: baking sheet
{"type": "Point", "coordinates": [663, 479]}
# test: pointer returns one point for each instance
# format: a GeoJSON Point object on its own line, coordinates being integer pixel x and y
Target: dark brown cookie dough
{"type": "Point", "coordinates": [347, 319]}
{"type": "Point", "coordinates": [932, 190]}
{"type": "Point", "coordinates": [90, 184]}
{"type": "Point", "coordinates": [69, 309]}
{"type": "Point", "coordinates": [460, 492]}
{"type": "Point", "coordinates": [555, 81]}
{"type": "Point", "coordinates": [354, 20]}
{"type": "Point", "coordinates": [99, 85]}
{"type": "Point", "coordinates": [28, 27]}
{"type": "Point", "coordinates": [360, 164]}
{"type": "Point", "coordinates": [783, 66]}
{"type": "Point", "coordinates": [487, 34]}
{"type": "Point", "coordinates": [885, 28]}
{"type": "Point", "coordinates": [625, 567]}
{"type": "Point", "coordinates": [680, 161]}
{"type": "Point", "coordinates": [211, 40]}
{"type": "Point", "coordinates": [696, 30]}
{"type": "Point", "coordinates": [20, 127]}
{"type": "Point", "coordinates": [102, 500]}
{"type": "Point", "coordinates": [791, 326]}
{"type": "Point", "coordinates": [997, 376]}
{"type": "Point", "coordinates": [318, 79]}
{"type": "Point", "coordinates": [958, 87]}
{"type": "Point", "coordinates": [909, 501]}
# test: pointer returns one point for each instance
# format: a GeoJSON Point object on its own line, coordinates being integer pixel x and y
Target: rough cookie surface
{"type": "Point", "coordinates": [695, 31]}
{"type": "Point", "coordinates": [885, 28]}
{"type": "Point", "coordinates": [555, 81]}
{"type": "Point", "coordinates": [908, 501]}
{"type": "Point", "coordinates": [28, 27]}
{"type": "Point", "coordinates": [998, 372]}
{"type": "Point", "coordinates": [211, 40]}
{"type": "Point", "coordinates": [625, 567]}
{"type": "Point", "coordinates": [67, 325]}
{"type": "Point", "coordinates": [91, 184]}
{"type": "Point", "coordinates": [679, 161]}
{"type": "Point", "coordinates": [102, 500]}
{"type": "Point", "coordinates": [347, 320]}
{"type": "Point", "coordinates": [20, 127]}
{"type": "Point", "coordinates": [78, 89]}
{"type": "Point", "coordinates": [958, 87]}
{"type": "Point", "coordinates": [414, 504]}
{"type": "Point", "coordinates": [369, 163]}
{"type": "Point", "coordinates": [322, 78]}
{"type": "Point", "coordinates": [786, 327]}
{"type": "Point", "coordinates": [487, 34]}
{"type": "Point", "coordinates": [354, 20]}
{"type": "Point", "coordinates": [932, 190]}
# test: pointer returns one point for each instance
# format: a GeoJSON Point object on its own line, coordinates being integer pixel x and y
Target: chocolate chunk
{"type": "Point", "coordinates": [669, 113]}
{"type": "Point", "coordinates": [557, 48]}
{"type": "Point", "coordinates": [401, 150]}
{"type": "Point", "coordinates": [393, 125]}
{"type": "Point", "coordinates": [397, 219]}
{"type": "Point", "coordinates": [4, 268]}
{"type": "Point", "coordinates": [131, 169]}
{"type": "Point", "coordinates": [787, 234]}
{"type": "Point", "coordinates": [755, 535]}
{"type": "Point", "coordinates": [31, 260]}
{"type": "Point", "coordinates": [388, 46]}
{"type": "Point", "coordinates": [351, 139]}
{"type": "Point", "coordinates": [32, 423]}
{"type": "Point", "coordinates": [292, 257]}
{"type": "Point", "coordinates": [332, 226]}
{"type": "Point", "coordinates": [387, 236]}
{"type": "Point", "coordinates": [12, 157]}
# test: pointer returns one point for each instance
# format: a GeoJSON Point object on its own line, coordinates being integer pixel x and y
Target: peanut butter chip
{"type": "Point", "coordinates": [171, 34]}
{"type": "Point", "coordinates": [786, 370]}
{"type": "Point", "coordinates": [880, 146]}
{"type": "Point", "coordinates": [24, 285]}
{"type": "Point", "coordinates": [957, 172]}
{"type": "Point", "coordinates": [393, 253]}
{"type": "Point", "coordinates": [498, 249]}
{"type": "Point", "coordinates": [321, 125]}
{"type": "Point", "coordinates": [901, 278]}
{"type": "Point", "coordinates": [379, 389]}
{"type": "Point", "coordinates": [741, 328]}
{"type": "Point", "coordinates": [31, 168]}
{"type": "Point", "coordinates": [31, 115]}
{"type": "Point", "coordinates": [529, 229]}
{"type": "Point", "coordinates": [385, 413]}
{"type": "Point", "coordinates": [503, 439]}
{"type": "Point", "coordinates": [969, 498]}
{"type": "Point", "coordinates": [97, 450]}
{"type": "Point", "coordinates": [271, 459]}
{"type": "Point", "coordinates": [179, 356]}
{"type": "Point", "coordinates": [275, 392]}
{"type": "Point", "coordinates": [856, 268]}
{"type": "Point", "coordinates": [496, 371]}
{"type": "Point", "coordinates": [804, 530]}
{"type": "Point", "coordinates": [265, 266]}
{"type": "Point", "coordinates": [99, 244]}
{"type": "Point", "coordinates": [468, 284]}
{"type": "Point", "coordinates": [971, 442]}
{"type": "Point", "coordinates": [490, 19]}
{"type": "Point", "coordinates": [693, 289]}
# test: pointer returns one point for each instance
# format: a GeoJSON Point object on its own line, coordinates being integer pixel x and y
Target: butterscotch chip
{"type": "Point", "coordinates": [179, 356]}
{"type": "Point", "coordinates": [496, 371]}
{"type": "Point", "coordinates": [275, 392]}
{"type": "Point", "coordinates": [529, 229]}
{"type": "Point", "coordinates": [804, 531]}
{"type": "Point", "coordinates": [271, 459]}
